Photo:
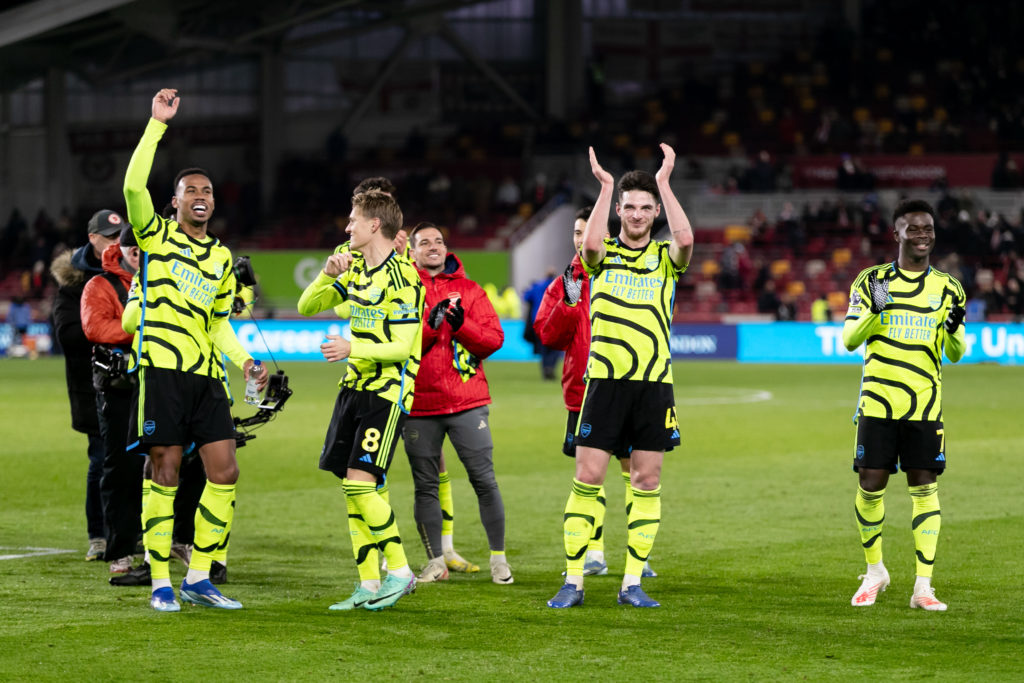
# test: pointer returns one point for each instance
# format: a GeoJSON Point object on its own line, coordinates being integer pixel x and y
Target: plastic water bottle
{"type": "Point", "coordinates": [252, 391]}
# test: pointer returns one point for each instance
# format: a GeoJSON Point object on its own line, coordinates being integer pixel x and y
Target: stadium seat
{"type": "Point", "coordinates": [814, 268]}
{"type": "Point", "coordinates": [841, 257]}
{"type": "Point", "coordinates": [705, 290]}
{"type": "Point", "coordinates": [710, 268]}
{"type": "Point", "coordinates": [779, 267]}
{"type": "Point", "coordinates": [837, 300]}
{"type": "Point", "coordinates": [737, 233]}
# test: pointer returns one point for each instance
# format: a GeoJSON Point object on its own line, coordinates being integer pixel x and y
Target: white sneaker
{"type": "Point", "coordinates": [97, 548]}
{"type": "Point", "coordinates": [925, 599]}
{"type": "Point", "coordinates": [435, 570]}
{"type": "Point", "coordinates": [873, 583]}
{"type": "Point", "coordinates": [121, 566]}
{"type": "Point", "coordinates": [501, 572]}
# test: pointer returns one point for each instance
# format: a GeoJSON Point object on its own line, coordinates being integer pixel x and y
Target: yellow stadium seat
{"type": "Point", "coordinates": [737, 233]}
{"type": "Point", "coordinates": [837, 300]}
{"type": "Point", "coordinates": [779, 267]}
{"type": "Point", "coordinates": [841, 256]}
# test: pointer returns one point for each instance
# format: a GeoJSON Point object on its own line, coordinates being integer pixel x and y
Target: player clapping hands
{"type": "Point", "coordinates": [450, 310]}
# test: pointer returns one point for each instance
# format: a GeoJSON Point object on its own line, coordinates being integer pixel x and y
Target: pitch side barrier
{"type": "Point", "coordinates": [299, 340]}
{"type": "Point", "coordinates": [813, 343]}
{"type": "Point", "coordinates": [764, 342]}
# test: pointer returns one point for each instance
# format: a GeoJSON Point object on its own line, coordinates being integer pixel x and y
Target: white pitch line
{"type": "Point", "coordinates": [36, 552]}
{"type": "Point", "coordinates": [733, 395]}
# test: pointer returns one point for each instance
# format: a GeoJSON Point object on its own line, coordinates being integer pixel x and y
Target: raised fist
{"type": "Point", "coordinates": [165, 104]}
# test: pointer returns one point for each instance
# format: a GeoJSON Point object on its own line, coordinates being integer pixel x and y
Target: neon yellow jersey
{"type": "Point", "coordinates": [186, 284]}
{"type": "Point", "coordinates": [386, 322]}
{"type": "Point", "coordinates": [904, 343]}
{"type": "Point", "coordinates": [631, 297]}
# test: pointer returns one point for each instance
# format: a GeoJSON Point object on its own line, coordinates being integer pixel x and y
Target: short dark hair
{"type": "Point", "coordinates": [584, 213]}
{"type": "Point", "coordinates": [195, 170]}
{"type": "Point", "coordinates": [912, 206]}
{"type": "Point", "coordinates": [639, 180]}
{"type": "Point", "coordinates": [375, 204]}
{"type": "Point", "coordinates": [379, 183]}
{"type": "Point", "coordinates": [423, 225]}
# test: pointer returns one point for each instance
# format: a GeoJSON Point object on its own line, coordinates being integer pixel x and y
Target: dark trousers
{"type": "Point", "coordinates": [191, 482]}
{"type": "Point", "coordinates": [93, 500]}
{"type": "Point", "coordinates": [121, 485]}
{"type": "Point", "coordinates": [470, 434]}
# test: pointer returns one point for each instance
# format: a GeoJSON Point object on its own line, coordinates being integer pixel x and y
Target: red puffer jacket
{"type": "Point", "coordinates": [567, 328]}
{"type": "Point", "coordinates": [439, 387]}
{"type": "Point", "coordinates": [101, 307]}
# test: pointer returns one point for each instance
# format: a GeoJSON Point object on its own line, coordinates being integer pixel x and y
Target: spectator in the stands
{"type": "Point", "coordinates": [508, 195]}
{"type": "Point", "coordinates": [852, 176]}
{"type": "Point", "coordinates": [786, 311]}
{"type": "Point", "coordinates": [19, 317]}
{"type": "Point", "coordinates": [735, 266]}
{"type": "Point", "coordinates": [1013, 297]}
{"type": "Point", "coordinates": [1005, 175]}
{"type": "Point", "coordinates": [762, 175]}
{"type": "Point", "coordinates": [768, 301]}
{"type": "Point", "coordinates": [820, 310]}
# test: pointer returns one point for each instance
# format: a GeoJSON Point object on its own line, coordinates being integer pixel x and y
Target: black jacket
{"type": "Point", "coordinates": [72, 271]}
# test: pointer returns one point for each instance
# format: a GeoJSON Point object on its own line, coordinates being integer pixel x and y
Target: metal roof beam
{"type": "Point", "coordinates": [404, 16]}
{"type": "Point", "coordinates": [28, 21]}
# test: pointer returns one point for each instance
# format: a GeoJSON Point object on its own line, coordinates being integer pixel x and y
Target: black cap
{"type": "Point", "coordinates": [106, 222]}
{"type": "Point", "coordinates": [128, 236]}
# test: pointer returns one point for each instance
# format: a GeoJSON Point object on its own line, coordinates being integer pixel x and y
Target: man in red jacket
{"type": "Point", "coordinates": [452, 398]}
{"type": "Point", "coordinates": [563, 323]}
{"type": "Point", "coordinates": [103, 301]}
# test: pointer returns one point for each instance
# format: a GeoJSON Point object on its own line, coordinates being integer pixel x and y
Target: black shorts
{"type": "Point", "coordinates": [624, 415]}
{"type": "Point", "coordinates": [362, 435]}
{"type": "Point", "coordinates": [569, 442]}
{"type": "Point", "coordinates": [173, 408]}
{"type": "Point", "coordinates": [894, 444]}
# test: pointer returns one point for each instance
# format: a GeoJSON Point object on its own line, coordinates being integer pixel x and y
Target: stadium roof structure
{"type": "Point", "coordinates": [104, 41]}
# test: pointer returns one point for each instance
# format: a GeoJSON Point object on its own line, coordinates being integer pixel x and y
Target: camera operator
{"type": "Point", "coordinates": [71, 270]}
{"type": "Point", "coordinates": [103, 302]}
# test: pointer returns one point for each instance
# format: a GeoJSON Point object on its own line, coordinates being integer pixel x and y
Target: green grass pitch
{"type": "Point", "coordinates": [758, 553]}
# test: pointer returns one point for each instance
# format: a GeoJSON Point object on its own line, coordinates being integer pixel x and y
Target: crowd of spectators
{"type": "Point", "coordinates": [467, 182]}
{"type": "Point", "coordinates": [781, 265]}
{"type": "Point", "coordinates": [920, 78]}
{"type": "Point", "coordinates": [776, 265]}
